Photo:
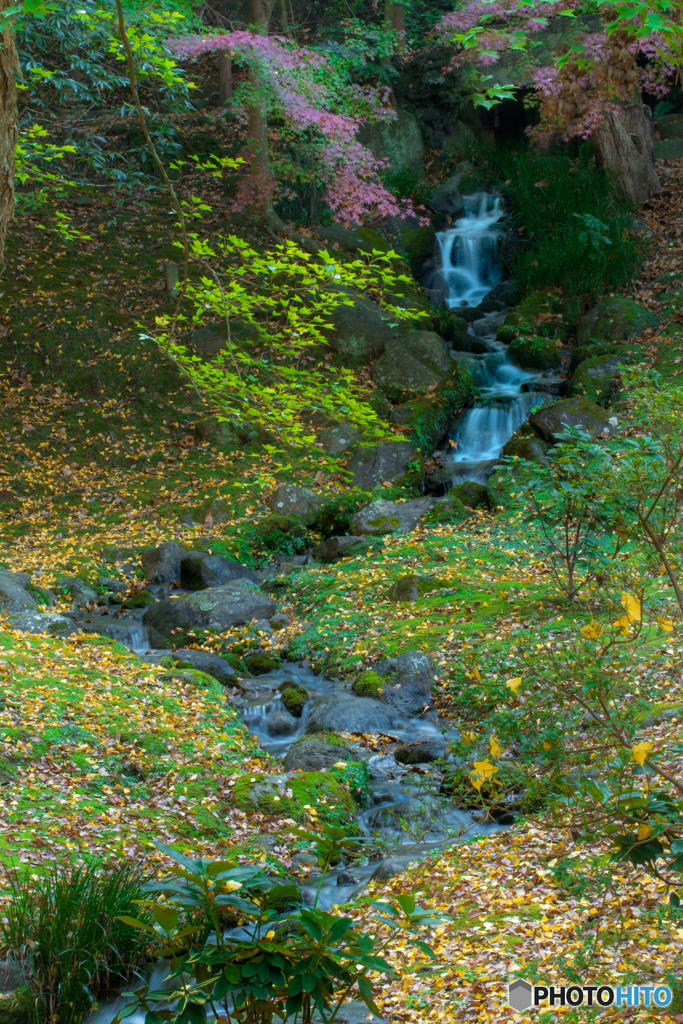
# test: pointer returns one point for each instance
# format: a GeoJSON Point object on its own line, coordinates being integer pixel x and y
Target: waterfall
{"type": "Point", "coordinates": [469, 251]}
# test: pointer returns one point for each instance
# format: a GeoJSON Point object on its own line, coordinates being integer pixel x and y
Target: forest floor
{"type": "Point", "coordinates": [102, 753]}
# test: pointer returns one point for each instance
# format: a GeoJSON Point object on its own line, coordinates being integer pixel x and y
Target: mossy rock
{"type": "Point", "coordinates": [526, 444]}
{"type": "Point", "coordinates": [506, 333]}
{"type": "Point", "coordinates": [628, 353]}
{"type": "Point", "coordinates": [234, 661]}
{"type": "Point", "coordinates": [259, 664]}
{"type": "Point", "coordinates": [39, 595]}
{"type": "Point", "coordinates": [142, 599]}
{"type": "Point", "coordinates": [294, 697]}
{"type": "Point", "coordinates": [471, 494]}
{"type": "Point", "coordinates": [449, 511]}
{"type": "Point", "coordinates": [368, 684]}
{"type": "Point", "coordinates": [412, 587]}
{"type": "Point", "coordinates": [451, 327]}
{"type": "Point", "coordinates": [537, 303]}
{"type": "Point", "coordinates": [321, 791]}
{"type": "Point", "coordinates": [419, 246]}
{"type": "Point", "coordinates": [330, 738]}
{"type": "Point", "coordinates": [429, 416]}
{"type": "Point", "coordinates": [598, 379]}
{"type": "Point", "coordinates": [614, 320]}
{"type": "Point", "coordinates": [285, 534]}
{"type": "Point", "coordinates": [535, 353]}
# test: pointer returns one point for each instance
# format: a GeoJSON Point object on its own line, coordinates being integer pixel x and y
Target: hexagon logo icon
{"type": "Point", "coordinates": [520, 995]}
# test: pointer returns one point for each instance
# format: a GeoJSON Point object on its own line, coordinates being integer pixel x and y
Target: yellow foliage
{"type": "Point", "coordinates": [640, 752]}
{"type": "Point", "coordinates": [483, 772]}
{"type": "Point", "coordinates": [495, 747]}
{"type": "Point", "coordinates": [514, 684]}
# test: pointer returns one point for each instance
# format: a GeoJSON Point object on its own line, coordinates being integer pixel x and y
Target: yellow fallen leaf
{"type": "Point", "coordinates": [666, 624]}
{"type": "Point", "coordinates": [644, 831]}
{"type": "Point", "coordinates": [468, 737]}
{"type": "Point", "coordinates": [632, 606]}
{"type": "Point", "coordinates": [476, 673]}
{"type": "Point", "coordinates": [483, 772]}
{"type": "Point", "coordinates": [624, 624]}
{"type": "Point", "coordinates": [640, 752]}
{"type": "Point", "coordinates": [552, 863]}
{"type": "Point", "coordinates": [546, 745]}
{"type": "Point", "coordinates": [495, 747]}
{"type": "Point", "coordinates": [592, 631]}
{"type": "Point", "coordinates": [514, 684]}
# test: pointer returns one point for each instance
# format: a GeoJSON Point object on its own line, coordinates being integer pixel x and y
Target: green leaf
{"type": "Point", "coordinates": [166, 917]}
{"type": "Point", "coordinates": [407, 904]}
{"type": "Point", "coordinates": [133, 922]}
{"type": "Point", "coordinates": [366, 994]}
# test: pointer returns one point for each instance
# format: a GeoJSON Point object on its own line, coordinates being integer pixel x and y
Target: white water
{"type": "Point", "coordinates": [469, 251]}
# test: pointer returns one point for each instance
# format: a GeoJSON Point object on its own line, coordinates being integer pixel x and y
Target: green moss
{"type": "Point", "coordinates": [294, 697]}
{"type": "Point", "coordinates": [234, 661]}
{"type": "Point", "coordinates": [598, 379]}
{"type": "Point", "coordinates": [419, 246]}
{"type": "Point", "coordinates": [429, 416]}
{"type": "Point", "coordinates": [142, 599]}
{"type": "Point", "coordinates": [451, 327]}
{"type": "Point", "coordinates": [259, 664]}
{"type": "Point", "coordinates": [286, 534]}
{"type": "Point", "coordinates": [319, 790]}
{"type": "Point", "coordinates": [355, 775]}
{"type": "Point", "coordinates": [534, 353]}
{"type": "Point", "coordinates": [333, 519]}
{"type": "Point", "coordinates": [39, 595]}
{"type": "Point", "coordinates": [451, 510]}
{"type": "Point", "coordinates": [368, 684]}
{"type": "Point", "coordinates": [470, 494]}
{"type": "Point", "coordinates": [506, 333]}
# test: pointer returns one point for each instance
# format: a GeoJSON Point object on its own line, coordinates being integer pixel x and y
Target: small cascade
{"type": "Point", "coordinates": [469, 251]}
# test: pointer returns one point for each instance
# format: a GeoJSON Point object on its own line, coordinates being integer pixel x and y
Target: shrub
{"type": "Point", "coordinates": [333, 519]}
{"type": "Point", "coordinates": [65, 925]}
{"type": "Point", "coordinates": [286, 534]}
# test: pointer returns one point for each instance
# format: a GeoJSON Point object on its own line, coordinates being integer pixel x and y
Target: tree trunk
{"type": "Point", "coordinates": [399, 26]}
{"type": "Point", "coordinates": [225, 77]}
{"type": "Point", "coordinates": [624, 146]}
{"type": "Point", "coordinates": [259, 20]}
{"type": "Point", "coordinates": [8, 127]}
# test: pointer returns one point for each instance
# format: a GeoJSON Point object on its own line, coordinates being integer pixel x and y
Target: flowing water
{"type": "Point", "coordinates": [469, 251]}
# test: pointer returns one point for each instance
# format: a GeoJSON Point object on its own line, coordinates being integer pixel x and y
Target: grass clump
{"type": "Point", "coordinates": [65, 926]}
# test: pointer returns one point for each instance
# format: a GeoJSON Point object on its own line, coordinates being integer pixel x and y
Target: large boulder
{"type": "Point", "coordinates": [597, 378]}
{"type": "Point", "coordinates": [353, 239]}
{"type": "Point", "coordinates": [386, 461]}
{"type": "Point", "coordinates": [410, 668]}
{"type": "Point", "coordinates": [383, 517]}
{"type": "Point", "coordinates": [209, 341]}
{"type": "Point", "coordinates": [421, 752]}
{"type": "Point", "coordinates": [335, 713]}
{"type": "Point", "coordinates": [50, 623]}
{"type": "Point", "coordinates": [535, 353]}
{"type": "Point", "coordinates": [412, 364]}
{"type": "Point", "coordinates": [199, 571]}
{"type": "Point", "coordinates": [360, 329]}
{"type": "Point", "coordinates": [13, 597]}
{"type": "Point", "coordinates": [289, 500]}
{"type": "Point", "coordinates": [79, 592]}
{"type": "Point", "coordinates": [447, 197]}
{"type": "Point", "coordinates": [162, 564]}
{"type": "Point", "coordinates": [614, 320]}
{"type": "Point", "coordinates": [209, 663]}
{"type": "Point", "coordinates": [398, 141]}
{"type": "Point", "coordinates": [338, 438]}
{"type": "Point", "coordinates": [289, 795]}
{"type": "Point", "coordinates": [214, 609]}
{"type": "Point", "coordinates": [553, 419]}
{"type": "Point", "coordinates": [334, 548]}
{"type": "Point", "coordinates": [314, 756]}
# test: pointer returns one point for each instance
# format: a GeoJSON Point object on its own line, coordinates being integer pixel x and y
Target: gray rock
{"type": "Point", "coordinates": [408, 701]}
{"type": "Point", "coordinates": [353, 239]}
{"type": "Point", "coordinates": [435, 297]}
{"type": "Point", "coordinates": [279, 621]}
{"type": "Point", "coordinates": [307, 860]}
{"type": "Point", "coordinates": [22, 578]}
{"type": "Point", "coordinates": [410, 668]}
{"type": "Point", "coordinates": [386, 461]}
{"type": "Point", "coordinates": [115, 586]}
{"type": "Point", "coordinates": [669, 149]}
{"type": "Point", "coordinates": [281, 723]}
{"type": "Point", "coordinates": [207, 661]}
{"type": "Point", "coordinates": [505, 291]}
{"type": "Point", "coordinates": [346, 878]}
{"type": "Point", "coordinates": [162, 564]}
{"type": "Point", "coordinates": [398, 141]}
{"type": "Point", "coordinates": [209, 341]}
{"type": "Point", "coordinates": [553, 419]}
{"type": "Point", "coordinates": [383, 517]}
{"type": "Point", "coordinates": [289, 500]}
{"type": "Point", "coordinates": [457, 141]}
{"type": "Point", "coordinates": [199, 571]}
{"type": "Point", "coordinates": [42, 622]}
{"type": "Point", "coordinates": [614, 320]}
{"type": "Point", "coordinates": [338, 439]}
{"type": "Point", "coordinates": [314, 756]}
{"type": "Point", "coordinates": [334, 713]}
{"type": "Point", "coordinates": [422, 752]}
{"type": "Point", "coordinates": [80, 592]}
{"type": "Point", "coordinates": [387, 868]}
{"type": "Point", "coordinates": [13, 974]}
{"type": "Point", "coordinates": [13, 597]}
{"type": "Point", "coordinates": [640, 227]}
{"type": "Point", "coordinates": [265, 840]}
{"type": "Point", "coordinates": [261, 626]}
{"type": "Point", "coordinates": [352, 1013]}
{"type": "Point", "coordinates": [411, 365]}
{"type": "Point", "coordinates": [360, 330]}
{"type": "Point", "coordinates": [447, 197]}
{"type": "Point", "coordinates": [214, 609]}
{"type": "Point", "coordinates": [334, 548]}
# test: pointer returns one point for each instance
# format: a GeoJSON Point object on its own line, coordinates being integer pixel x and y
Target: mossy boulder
{"type": "Point", "coordinates": [142, 599]}
{"type": "Point", "coordinates": [294, 697]}
{"type": "Point", "coordinates": [353, 239]}
{"type": "Point", "coordinates": [285, 534]}
{"type": "Point", "coordinates": [598, 379]}
{"type": "Point", "coordinates": [452, 328]}
{"type": "Point", "coordinates": [471, 494]}
{"type": "Point", "coordinates": [614, 320]}
{"type": "Point", "coordinates": [258, 664]}
{"type": "Point", "coordinates": [430, 415]}
{"type": "Point", "coordinates": [532, 352]}
{"type": "Point", "coordinates": [411, 587]}
{"type": "Point", "coordinates": [579, 411]}
{"type": "Point", "coordinates": [411, 364]}
{"type": "Point", "coordinates": [526, 444]}
{"type": "Point", "coordinates": [418, 243]}
{"type": "Point", "coordinates": [290, 796]}
{"type": "Point", "coordinates": [449, 511]}
{"type": "Point", "coordinates": [537, 303]}
{"type": "Point", "coordinates": [368, 684]}
{"type": "Point", "coordinates": [506, 486]}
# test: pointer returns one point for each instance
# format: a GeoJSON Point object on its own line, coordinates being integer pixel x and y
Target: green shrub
{"type": "Point", "coordinates": [285, 534]}
{"type": "Point", "coordinates": [333, 519]}
{"type": "Point", "coordinates": [66, 923]}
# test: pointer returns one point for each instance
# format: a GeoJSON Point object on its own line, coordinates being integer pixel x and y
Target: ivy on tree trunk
{"type": "Point", "coordinates": [8, 126]}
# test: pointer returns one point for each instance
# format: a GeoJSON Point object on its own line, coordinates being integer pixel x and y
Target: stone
{"type": "Point", "coordinates": [408, 701]}
{"type": "Point", "coordinates": [233, 435]}
{"type": "Point", "coordinates": [360, 330]}
{"type": "Point", "coordinates": [640, 227]}
{"type": "Point", "coordinates": [209, 663]}
{"type": "Point", "coordinates": [553, 419]}
{"type": "Point", "coordinates": [669, 149]}
{"type": "Point", "coordinates": [346, 878]}
{"type": "Point", "coordinates": [535, 352]}
{"type": "Point", "coordinates": [339, 713]}
{"type": "Point", "coordinates": [527, 445]}
{"type": "Point", "coordinates": [13, 597]}
{"type": "Point", "coordinates": [411, 364]}
{"type": "Point", "coordinates": [375, 463]}
{"type": "Point", "coordinates": [13, 974]}
{"type": "Point", "coordinates": [614, 320]}
{"type": "Point", "coordinates": [261, 626]}
{"type": "Point", "coordinates": [399, 141]}
{"type": "Point", "coordinates": [623, 145]}
{"type": "Point", "coordinates": [408, 668]}
{"type": "Point", "coordinates": [447, 198]}
{"type": "Point", "coordinates": [281, 723]}
{"type": "Point", "coordinates": [314, 756]}
{"type": "Point", "coordinates": [199, 571]}
{"type": "Point", "coordinates": [115, 586]}
{"type": "Point", "coordinates": [209, 341]}
{"type": "Point", "coordinates": [214, 609]}
{"type": "Point", "coordinates": [334, 548]}
{"type": "Point", "coordinates": [289, 500]}
{"type": "Point", "coordinates": [598, 378]}
{"type": "Point", "coordinates": [306, 860]}
{"type": "Point", "coordinates": [80, 592]}
{"type": "Point", "coordinates": [355, 1012]}
{"type": "Point", "coordinates": [287, 795]}
{"type": "Point", "coordinates": [381, 517]}
{"type": "Point", "coordinates": [505, 291]}
{"type": "Point", "coordinates": [458, 140]}
{"type": "Point", "coordinates": [22, 578]}
{"type": "Point", "coordinates": [162, 564]}
{"type": "Point", "coordinates": [279, 621]}
{"type": "Point", "coordinates": [406, 588]}
{"type": "Point", "coordinates": [353, 239]}
{"type": "Point", "coordinates": [338, 438]}
{"type": "Point", "coordinates": [471, 494]}
{"type": "Point", "coordinates": [42, 622]}
{"type": "Point", "coordinates": [421, 752]}
{"type": "Point", "coordinates": [386, 869]}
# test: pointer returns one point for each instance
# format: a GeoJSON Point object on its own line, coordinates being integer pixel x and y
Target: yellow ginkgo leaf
{"type": "Point", "coordinates": [592, 631]}
{"type": "Point", "coordinates": [546, 745]}
{"type": "Point", "coordinates": [476, 673]}
{"type": "Point", "coordinates": [624, 624]}
{"type": "Point", "coordinates": [514, 684]}
{"type": "Point", "coordinates": [644, 831]}
{"type": "Point", "coordinates": [632, 606]}
{"type": "Point", "coordinates": [483, 772]}
{"type": "Point", "coordinates": [468, 737]}
{"type": "Point", "coordinates": [495, 747]}
{"type": "Point", "coordinates": [666, 624]}
{"type": "Point", "coordinates": [640, 752]}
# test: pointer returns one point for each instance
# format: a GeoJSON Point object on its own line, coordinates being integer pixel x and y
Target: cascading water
{"type": "Point", "coordinates": [469, 251]}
